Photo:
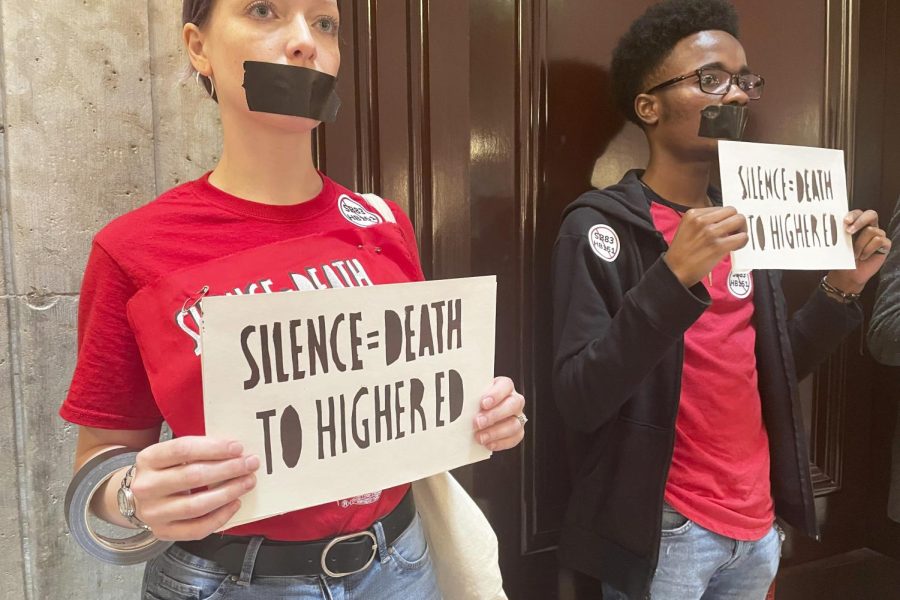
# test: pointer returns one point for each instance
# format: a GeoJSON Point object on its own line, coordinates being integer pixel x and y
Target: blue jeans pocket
{"type": "Point", "coordinates": [782, 536]}
{"type": "Point", "coordinates": [410, 550]}
{"type": "Point", "coordinates": [673, 522]}
{"type": "Point", "coordinates": [163, 587]}
{"type": "Point", "coordinates": [173, 576]}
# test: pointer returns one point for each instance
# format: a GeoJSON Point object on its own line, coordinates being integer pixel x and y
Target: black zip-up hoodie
{"type": "Point", "coordinates": [618, 354]}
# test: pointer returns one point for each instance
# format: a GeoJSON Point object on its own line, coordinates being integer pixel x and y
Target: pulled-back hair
{"type": "Point", "coordinates": [651, 38]}
{"type": "Point", "coordinates": [196, 12]}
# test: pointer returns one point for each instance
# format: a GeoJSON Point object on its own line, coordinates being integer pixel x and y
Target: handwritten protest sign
{"type": "Point", "coordinates": [349, 391]}
{"type": "Point", "coordinates": [795, 201]}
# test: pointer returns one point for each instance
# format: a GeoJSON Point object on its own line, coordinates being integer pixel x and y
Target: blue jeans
{"type": "Point", "coordinates": [402, 570]}
{"type": "Point", "coordinates": [695, 563]}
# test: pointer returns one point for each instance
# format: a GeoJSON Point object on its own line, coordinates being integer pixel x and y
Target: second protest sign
{"type": "Point", "coordinates": [794, 199]}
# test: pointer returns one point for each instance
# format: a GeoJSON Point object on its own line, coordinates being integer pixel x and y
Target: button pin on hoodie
{"type": "Point", "coordinates": [604, 242]}
{"type": "Point", "coordinates": [740, 284]}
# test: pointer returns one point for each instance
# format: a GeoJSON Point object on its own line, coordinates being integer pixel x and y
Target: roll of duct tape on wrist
{"type": "Point", "coordinates": [138, 548]}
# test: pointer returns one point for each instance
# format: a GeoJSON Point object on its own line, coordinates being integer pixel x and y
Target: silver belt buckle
{"type": "Point", "coordinates": [344, 538]}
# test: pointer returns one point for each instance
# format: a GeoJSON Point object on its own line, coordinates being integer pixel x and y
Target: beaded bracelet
{"type": "Point", "coordinates": [846, 297]}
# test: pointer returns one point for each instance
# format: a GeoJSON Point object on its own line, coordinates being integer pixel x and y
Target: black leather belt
{"type": "Point", "coordinates": [335, 557]}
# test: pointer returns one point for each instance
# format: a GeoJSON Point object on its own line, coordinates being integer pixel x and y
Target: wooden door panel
{"type": "Point", "coordinates": [485, 119]}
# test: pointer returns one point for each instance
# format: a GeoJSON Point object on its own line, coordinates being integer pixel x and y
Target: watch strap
{"type": "Point", "coordinates": [128, 497]}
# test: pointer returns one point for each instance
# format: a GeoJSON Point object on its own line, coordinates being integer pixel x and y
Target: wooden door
{"type": "Point", "coordinates": [485, 118]}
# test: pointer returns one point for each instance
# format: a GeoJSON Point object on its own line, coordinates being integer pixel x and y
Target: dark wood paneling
{"type": "Point", "coordinates": [576, 123]}
{"type": "Point", "coordinates": [497, 233]}
{"type": "Point", "coordinates": [786, 43]}
{"type": "Point", "coordinates": [483, 119]}
{"type": "Point", "coordinates": [541, 497]}
{"type": "Point", "coordinates": [394, 88]}
{"type": "Point", "coordinates": [338, 143]}
{"type": "Point", "coordinates": [420, 202]}
{"type": "Point", "coordinates": [448, 89]}
{"type": "Point", "coordinates": [862, 574]}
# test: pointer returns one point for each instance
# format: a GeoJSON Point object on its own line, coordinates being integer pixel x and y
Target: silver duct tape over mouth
{"type": "Point", "coordinates": [724, 121]}
{"type": "Point", "coordinates": [138, 548]}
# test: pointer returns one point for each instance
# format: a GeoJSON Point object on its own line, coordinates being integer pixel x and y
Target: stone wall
{"type": "Point", "coordinates": [97, 119]}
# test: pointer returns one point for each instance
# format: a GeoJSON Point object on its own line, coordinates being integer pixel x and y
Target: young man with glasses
{"type": "Point", "coordinates": [677, 377]}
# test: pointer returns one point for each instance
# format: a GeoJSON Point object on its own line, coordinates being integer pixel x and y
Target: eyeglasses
{"type": "Point", "coordinates": [717, 81]}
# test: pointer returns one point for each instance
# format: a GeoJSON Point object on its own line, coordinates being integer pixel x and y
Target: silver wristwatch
{"type": "Point", "coordinates": [125, 500]}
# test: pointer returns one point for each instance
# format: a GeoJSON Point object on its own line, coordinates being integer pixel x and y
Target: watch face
{"type": "Point", "coordinates": [120, 499]}
{"type": "Point", "coordinates": [126, 508]}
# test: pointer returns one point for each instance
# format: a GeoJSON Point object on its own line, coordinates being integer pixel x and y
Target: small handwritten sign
{"type": "Point", "coordinates": [346, 392]}
{"type": "Point", "coordinates": [794, 199]}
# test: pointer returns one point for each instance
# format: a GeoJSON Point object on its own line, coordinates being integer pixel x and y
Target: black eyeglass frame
{"type": "Point", "coordinates": [733, 80]}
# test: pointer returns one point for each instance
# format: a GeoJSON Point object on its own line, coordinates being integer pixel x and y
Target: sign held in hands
{"type": "Point", "coordinates": [346, 392]}
{"type": "Point", "coordinates": [794, 199]}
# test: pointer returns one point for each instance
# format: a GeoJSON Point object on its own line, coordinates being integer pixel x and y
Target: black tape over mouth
{"type": "Point", "coordinates": [724, 121]}
{"type": "Point", "coordinates": [291, 90]}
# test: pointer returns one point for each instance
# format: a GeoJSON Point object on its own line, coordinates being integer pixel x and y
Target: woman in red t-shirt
{"type": "Point", "coordinates": [264, 195]}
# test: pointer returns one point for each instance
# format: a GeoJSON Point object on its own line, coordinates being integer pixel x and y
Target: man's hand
{"type": "Point", "coordinates": [704, 237]}
{"type": "Point", "coordinates": [870, 247]}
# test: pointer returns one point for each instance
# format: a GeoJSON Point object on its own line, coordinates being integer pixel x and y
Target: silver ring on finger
{"type": "Point", "coordinates": [522, 420]}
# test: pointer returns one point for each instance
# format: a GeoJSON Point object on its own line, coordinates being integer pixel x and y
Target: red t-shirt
{"type": "Point", "coordinates": [719, 476]}
{"type": "Point", "coordinates": [333, 240]}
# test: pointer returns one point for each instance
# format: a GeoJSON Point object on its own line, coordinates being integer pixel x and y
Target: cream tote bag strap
{"type": "Point", "coordinates": [462, 543]}
{"type": "Point", "coordinates": [381, 206]}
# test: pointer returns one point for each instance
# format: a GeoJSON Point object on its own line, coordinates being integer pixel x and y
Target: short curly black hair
{"type": "Point", "coordinates": [652, 37]}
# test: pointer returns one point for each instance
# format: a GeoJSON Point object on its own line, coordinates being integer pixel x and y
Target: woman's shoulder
{"type": "Point", "coordinates": [168, 203]}
{"type": "Point", "coordinates": [146, 220]}
{"type": "Point", "coordinates": [152, 238]}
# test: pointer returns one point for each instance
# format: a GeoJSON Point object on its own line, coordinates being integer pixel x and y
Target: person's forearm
{"type": "Point", "coordinates": [91, 442]}
{"type": "Point", "coordinates": [602, 374]}
{"type": "Point", "coordinates": [818, 327]}
{"type": "Point", "coordinates": [104, 503]}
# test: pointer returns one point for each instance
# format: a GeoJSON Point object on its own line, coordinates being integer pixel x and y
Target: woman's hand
{"type": "Point", "coordinates": [870, 247]}
{"type": "Point", "coordinates": [500, 423]}
{"type": "Point", "coordinates": [165, 474]}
